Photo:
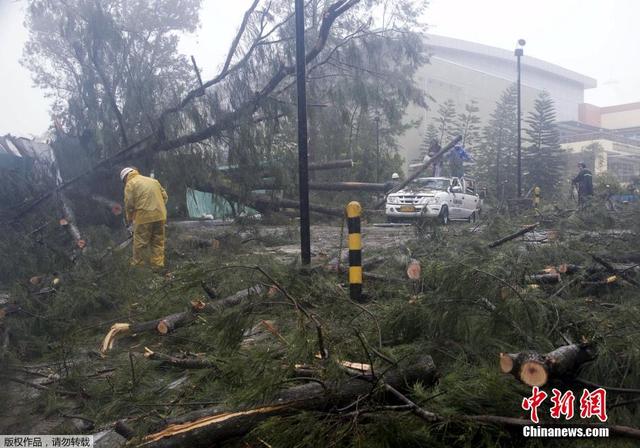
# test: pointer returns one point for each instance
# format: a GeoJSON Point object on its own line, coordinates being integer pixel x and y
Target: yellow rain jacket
{"type": "Point", "coordinates": [144, 199]}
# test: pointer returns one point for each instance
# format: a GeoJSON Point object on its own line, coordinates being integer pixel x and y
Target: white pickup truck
{"type": "Point", "coordinates": [443, 198]}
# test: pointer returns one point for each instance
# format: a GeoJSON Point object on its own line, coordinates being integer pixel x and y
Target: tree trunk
{"type": "Point", "coordinates": [611, 269]}
{"type": "Point", "coordinates": [205, 429]}
{"type": "Point", "coordinates": [544, 279]}
{"type": "Point", "coordinates": [513, 236]}
{"type": "Point", "coordinates": [535, 369]}
{"type": "Point", "coordinates": [331, 165]}
{"type": "Point", "coordinates": [70, 222]}
{"type": "Point", "coordinates": [414, 269]}
{"type": "Point", "coordinates": [346, 186]}
{"type": "Point", "coordinates": [233, 300]}
{"type": "Point", "coordinates": [167, 324]}
{"type": "Point", "coordinates": [183, 363]}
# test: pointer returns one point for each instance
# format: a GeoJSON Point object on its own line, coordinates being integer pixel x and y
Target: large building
{"type": "Point", "coordinates": [607, 139]}
{"type": "Point", "coordinates": [463, 71]}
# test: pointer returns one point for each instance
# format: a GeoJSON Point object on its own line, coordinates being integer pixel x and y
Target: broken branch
{"type": "Point", "coordinates": [513, 236]}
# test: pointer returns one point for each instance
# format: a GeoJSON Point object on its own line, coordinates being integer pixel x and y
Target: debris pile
{"type": "Point", "coordinates": [243, 347]}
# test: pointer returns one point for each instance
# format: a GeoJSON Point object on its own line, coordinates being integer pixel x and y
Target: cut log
{"type": "Point", "coordinates": [544, 279]}
{"type": "Point", "coordinates": [331, 165]}
{"type": "Point", "coordinates": [122, 427]}
{"type": "Point", "coordinates": [233, 300]}
{"type": "Point", "coordinates": [509, 362]}
{"type": "Point", "coordinates": [68, 217]}
{"type": "Point", "coordinates": [535, 369]}
{"type": "Point", "coordinates": [608, 281]}
{"type": "Point", "coordinates": [414, 270]}
{"type": "Point", "coordinates": [568, 268]}
{"type": "Point", "coordinates": [166, 324]}
{"type": "Point", "coordinates": [220, 424]}
{"type": "Point", "coordinates": [211, 292]}
{"type": "Point", "coordinates": [532, 371]}
{"type": "Point", "coordinates": [513, 236]}
{"type": "Point", "coordinates": [611, 269]}
{"type": "Point", "coordinates": [70, 220]}
{"type": "Point", "coordinates": [183, 363]}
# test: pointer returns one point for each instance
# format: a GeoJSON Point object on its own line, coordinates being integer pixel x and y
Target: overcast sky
{"type": "Point", "coordinates": [598, 38]}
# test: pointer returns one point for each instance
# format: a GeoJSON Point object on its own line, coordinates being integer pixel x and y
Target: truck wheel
{"type": "Point", "coordinates": [444, 216]}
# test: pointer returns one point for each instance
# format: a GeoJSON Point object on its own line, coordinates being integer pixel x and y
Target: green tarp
{"type": "Point", "coordinates": [213, 206]}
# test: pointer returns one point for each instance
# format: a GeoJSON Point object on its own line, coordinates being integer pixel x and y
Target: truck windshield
{"type": "Point", "coordinates": [429, 183]}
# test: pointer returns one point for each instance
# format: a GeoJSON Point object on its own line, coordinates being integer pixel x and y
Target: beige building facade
{"type": "Point", "coordinates": [614, 150]}
{"type": "Point", "coordinates": [463, 71]}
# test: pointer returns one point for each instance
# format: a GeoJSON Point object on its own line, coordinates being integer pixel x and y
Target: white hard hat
{"type": "Point", "coordinates": [395, 176]}
{"type": "Point", "coordinates": [125, 172]}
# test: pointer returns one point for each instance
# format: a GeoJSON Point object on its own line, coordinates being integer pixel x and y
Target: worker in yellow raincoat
{"type": "Point", "coordinates": [537, 196]}
{"type": "Point", "coordinates": [144, 202]}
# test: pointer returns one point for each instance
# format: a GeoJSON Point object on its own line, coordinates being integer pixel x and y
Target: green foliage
{"type": "Point", "coordinates": [446, 122]}
{"type": "Point", "coordinates": [468, 125]}
{"type": "Point", "coordinates": [543, 159]}
{"type": "Point", "coordinates": [470, 304]}
{"type": "Point", "coordinates": [607, 183]}
{"type": "Point", "coordinates": [497, 158]}
{"type": "Point", "coordinates": [107, 81]}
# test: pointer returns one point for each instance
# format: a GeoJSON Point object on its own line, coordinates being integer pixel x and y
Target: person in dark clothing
{"type": "Point", "coordinates": [584, 183]}
{"type": "Point", "coordinates": [434, 148]}
{"type": "Point", "coordinates": [391, 184]}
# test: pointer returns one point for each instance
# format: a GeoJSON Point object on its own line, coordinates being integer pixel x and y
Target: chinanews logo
{"type": "Point", "coordinates": [592, 404]}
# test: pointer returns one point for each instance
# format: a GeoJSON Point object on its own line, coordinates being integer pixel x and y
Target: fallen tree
{"type": "Point", "coordinates": [180, 362]}
{"type": "Point", "coordinates": [217, 425]}
{"type": "Point", "coordinates": [535, 369]}
{"type": "Point", "coordinates": [612, 270]}
{"type": "Point", "coordinates": [346, 186]}
{"type": "Point", "coordinates": [330, 165]}
{"type": "Point", "coordinates": [167, 324]}
{"type": "Point", "coordinates": [226, 120]}
{"type": "Point", "coordinates": [69, 222]}
{"type": "Point", "coordinates": [513, 236]}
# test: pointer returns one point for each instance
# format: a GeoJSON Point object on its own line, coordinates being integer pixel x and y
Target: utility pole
{"type": "Point", "coordinates": [519, 52]}
{"type": "Point", "coordinates": [303, 166]}
{"type": "Point", "coordinates": [377, 120]}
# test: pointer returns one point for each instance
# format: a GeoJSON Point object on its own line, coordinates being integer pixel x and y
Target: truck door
{"type": "Point", "coordinates": [456, 207]}
{"type": "Point", "coordinates": [471, 197]}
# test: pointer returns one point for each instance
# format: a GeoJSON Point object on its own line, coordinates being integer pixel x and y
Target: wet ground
{"type": "Point", "coordinates": [284, 241]}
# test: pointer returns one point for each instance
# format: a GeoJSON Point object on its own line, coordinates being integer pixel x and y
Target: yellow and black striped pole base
{"type": "Point", "coordinates": [354, 210]}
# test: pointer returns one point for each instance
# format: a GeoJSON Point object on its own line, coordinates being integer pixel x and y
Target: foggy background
{"type": "Point", "coordinates": [596, 38]}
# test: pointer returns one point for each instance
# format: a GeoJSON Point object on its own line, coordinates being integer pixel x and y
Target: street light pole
{"type": "Point", "coordinates": [377, 120]}
{"type": "Point", "coordinates": [519, 52]}
{"type": "Point", "coordinates": [303, 166]}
